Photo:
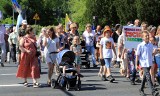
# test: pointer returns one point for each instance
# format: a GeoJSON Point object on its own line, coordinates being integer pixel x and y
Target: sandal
{"type": "Point", "coordinates": [36, 85]}
{"type": "Point", "coordinates": [25, 84]}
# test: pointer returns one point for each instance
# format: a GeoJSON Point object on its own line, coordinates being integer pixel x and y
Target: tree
{"type": "Point", "coordinates": [148, 10]}
{"type": "Point", "coordinates": [77, 12]}
{"type": "Point", "coordinates": [125, 10]}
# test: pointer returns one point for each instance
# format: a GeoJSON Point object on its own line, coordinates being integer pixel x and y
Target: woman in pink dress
{"type": "Point", "coordinates": [28, 67]}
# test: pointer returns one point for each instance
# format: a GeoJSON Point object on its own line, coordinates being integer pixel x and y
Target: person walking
{"type": "Point", "coordinates": [106, 47]}
{"type": "Point", "coordinates": [2, 44]}
{"type": "Point", "coordinates": [144, 55]}
{"type": "Point", "coordinates": [51, 44]}
{"type": "Point", "coordinates": [89, 37]}
{"type": "Point", "coordinates": [28, 67]}
{"type": "Point", "coordinates": [13, 44]}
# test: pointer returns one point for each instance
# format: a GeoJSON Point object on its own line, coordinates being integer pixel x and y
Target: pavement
{"type": "Point", "coordinates": [92, 85]}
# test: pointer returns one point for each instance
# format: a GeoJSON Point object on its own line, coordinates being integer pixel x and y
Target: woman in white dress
{"type": "Point", "coordinates": [51, 43]}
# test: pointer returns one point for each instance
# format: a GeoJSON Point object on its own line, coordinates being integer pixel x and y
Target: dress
{"type": "Point", "coordinates": [28, 67]}
{"type": "Point", "coordinates": [75, 49]}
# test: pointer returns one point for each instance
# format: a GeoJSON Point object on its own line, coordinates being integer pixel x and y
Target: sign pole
{"type": "Point", "coordinates": [35, 21]}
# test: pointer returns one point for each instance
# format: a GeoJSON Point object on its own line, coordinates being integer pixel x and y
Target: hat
{"type": "Point", "coordinates": [24, 22]}
{"type": "Point", "coordinates": [107, 28]}
{"type": "Point", "coordinates": [73, 25]}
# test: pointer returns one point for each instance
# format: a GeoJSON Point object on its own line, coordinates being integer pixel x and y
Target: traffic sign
{"type": "Point", "coordinates": [36, 17]}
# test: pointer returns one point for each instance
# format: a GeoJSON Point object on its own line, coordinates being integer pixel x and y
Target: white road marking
{"type": "Point", "coordinates": [11, 85]}
{"type": "Point", "coordinates": [9, 74]}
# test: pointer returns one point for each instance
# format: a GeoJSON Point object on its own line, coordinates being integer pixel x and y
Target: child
{"type": "Point", "coordinates": [77, 49]}
{"type": "Point", "coordinates": [144, 55]}
{"type": "Point", "coordinates": [106, 47]}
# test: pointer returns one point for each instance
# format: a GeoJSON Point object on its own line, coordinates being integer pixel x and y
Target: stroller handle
{"type": "Point", "coordinates": [66, 63]}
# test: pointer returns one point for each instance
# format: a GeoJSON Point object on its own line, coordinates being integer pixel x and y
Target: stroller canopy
{"type": "Point", "coordinates": [66, 56]}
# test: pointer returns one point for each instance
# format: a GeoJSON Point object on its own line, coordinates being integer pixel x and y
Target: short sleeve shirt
{"type": "Point", "coordinates": [144, 51]}
{"type": "Point", "coordinates": [89, 38]}
{"type": "Point", "coordinates": [107, 47]}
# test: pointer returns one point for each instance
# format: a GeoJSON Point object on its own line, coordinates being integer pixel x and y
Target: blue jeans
{"type": "Point", "coordinates": [3, 52]}
{"type": "Point", "coordinates": [91, 49]}
{"type": "Point", "coordinates": [157, 58]}
{"type": "Point", "coordinates": [107, 62]}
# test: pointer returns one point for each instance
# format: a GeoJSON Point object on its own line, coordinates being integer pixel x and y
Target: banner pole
{"type": "Point", "coordinates": [13, 15]}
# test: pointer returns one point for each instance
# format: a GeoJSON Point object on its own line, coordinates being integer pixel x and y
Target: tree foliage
{"type": "Point", "coordinates": [82, 11]}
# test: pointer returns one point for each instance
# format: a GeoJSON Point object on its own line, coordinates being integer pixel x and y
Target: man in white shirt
{"type": "Point", "coordinates": [89, 37]}
{"type": "Point", "coordinates": [144, 55]}
{"type": "Point", "coordinates": [2, 44]}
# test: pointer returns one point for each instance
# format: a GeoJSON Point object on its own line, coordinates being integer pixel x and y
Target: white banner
{"type": "Point", "coordinates": [132, 36]}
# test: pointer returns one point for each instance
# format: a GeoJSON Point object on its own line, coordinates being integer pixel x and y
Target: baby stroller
{"type": "Point", "coordinates": [71, 80]}
{"type": "Point", "coordinates": [85, 56]}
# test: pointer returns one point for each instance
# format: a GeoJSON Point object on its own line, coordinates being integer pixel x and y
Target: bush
{"type": "Point", "coordinates": [37, 29]}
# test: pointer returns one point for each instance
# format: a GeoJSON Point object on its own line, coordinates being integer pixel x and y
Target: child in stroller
{"type": "Point", "coordinates": [68, 77]}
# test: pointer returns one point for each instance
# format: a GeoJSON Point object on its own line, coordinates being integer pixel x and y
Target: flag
{"type": "Point", "coordinates": [16, 6]}
{"type": "Point", "coordinates": [67, 23]}
{"type": "Point", "coordinates": [19, 22]}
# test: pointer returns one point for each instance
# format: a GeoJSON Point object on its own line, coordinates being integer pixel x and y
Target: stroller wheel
{"type": "Point", "coordinates": [53, 83]}
{"type": "Point", "coordinates": [67, 86]}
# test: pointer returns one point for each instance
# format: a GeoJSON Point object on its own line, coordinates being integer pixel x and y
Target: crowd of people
{"type": "Point", "coordinates": [105, 45]}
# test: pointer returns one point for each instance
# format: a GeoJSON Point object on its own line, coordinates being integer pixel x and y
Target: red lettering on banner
{"type": "Point", "coordinates": [133, 34]}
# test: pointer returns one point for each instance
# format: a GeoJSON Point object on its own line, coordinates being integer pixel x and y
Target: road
{"type": "Point", "coordinates": [92, 85]}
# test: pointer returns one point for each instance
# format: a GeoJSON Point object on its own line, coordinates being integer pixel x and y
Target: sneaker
{"type": "Point", "coordinates": [111, 79]}
{"type": "Point", "coordinates": [132, 83]}
{"type": "Point", "coordinates": [2, 64]}
{"type": "Point", "coordinates": [94, 65]}
{"type": "Point", "coordinates": [25, 84]}
{"type": "Point", "coordinates": [155, 93]}
{"type": "Point", "coordinates": [142, 92]}
{"type": "Point", "coordinates": [36, 85]}
{"type": "Point", "coordinates": [103, 78]}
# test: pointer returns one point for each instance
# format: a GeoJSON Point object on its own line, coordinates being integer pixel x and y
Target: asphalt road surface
{"type": "Point", "coordinates": [92, 85]}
